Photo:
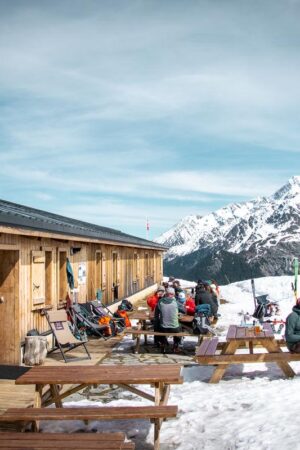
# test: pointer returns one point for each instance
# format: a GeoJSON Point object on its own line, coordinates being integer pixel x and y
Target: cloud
{"type": "Point", "coordinates": [151, 104]}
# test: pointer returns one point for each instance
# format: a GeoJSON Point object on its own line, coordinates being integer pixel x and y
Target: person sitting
{"type": "Point", "coordinates": [153, 299]}
{"type": "Point", "coordinates": [171, 281]}
{"type": "Point", "coordinates": [166, 319]}
{"type": "Point", "coordinates": [190, 305]}
{"type": "Point", "coordinates": [180, 299]}
{"type": "Point", "coordinates": [204, 296]}
{"type": "Point", "coordinates": [177, 287]}
{"type": "Point", "coordinates": [292, 329]}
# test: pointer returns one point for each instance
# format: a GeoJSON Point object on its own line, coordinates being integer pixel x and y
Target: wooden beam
{"type": "Point", "coordinates": [58, 236]}
{"type": "Point", "coordinates": [248, 358]}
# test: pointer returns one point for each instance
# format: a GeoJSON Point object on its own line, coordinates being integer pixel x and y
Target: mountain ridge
{"type": "Point", "coordinates": [262, 234]}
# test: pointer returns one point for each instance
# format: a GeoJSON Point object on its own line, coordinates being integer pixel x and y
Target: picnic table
{"type": "Point", "coordinates": [238, 335]}
{"type": "Point", "coordinates": [159, 376]}
{"type": "Point", "coordinates": [144, 316]}
{"type": "Point", "coordinates": [144, 328]}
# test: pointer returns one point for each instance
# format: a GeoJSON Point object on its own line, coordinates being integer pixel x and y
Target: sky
{"type": "Point", "coordinates": [113, 111]}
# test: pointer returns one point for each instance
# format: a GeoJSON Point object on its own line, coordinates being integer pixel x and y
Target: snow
{"type": "Point", "coordinates": [253, 407]}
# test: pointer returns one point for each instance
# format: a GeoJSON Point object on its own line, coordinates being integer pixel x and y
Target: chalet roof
{"type": "Point", "coordinates": [20, 216]}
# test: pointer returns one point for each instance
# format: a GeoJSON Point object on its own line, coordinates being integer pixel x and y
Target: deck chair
{"type": "Point", "coordinates": [80, 314]}
{"type": "Point", "coordinates": [64, 338]}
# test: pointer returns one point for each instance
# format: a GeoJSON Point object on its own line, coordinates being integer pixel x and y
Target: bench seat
{"type": "Point", "coordinates": [90, 413]}
{"type": "Point", "coordinates": [244, 358]}
{"type": "Point", "coordinates": [137, 333]}
{"type": "Point", "coordinates": [208, 347]}
{"type": "Point", "coordinates": [74, 441]}
{"type": "Point", "coordinates": [154, 413]}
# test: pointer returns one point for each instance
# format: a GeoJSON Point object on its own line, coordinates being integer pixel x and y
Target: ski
{"type": "Point", "coordinates": [253, 292]}
{"type": "Point", "coordinates": [296, 271]}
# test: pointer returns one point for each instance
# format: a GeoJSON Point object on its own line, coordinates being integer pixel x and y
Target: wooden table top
{"type": "Point", "coordinates": [149, 315]}
{"type": "Point", "coordinates": [185, 318]}
{"type": "Point", "coordinates": [236, 332]}
{"type": "Point", "coordinates": [103, 374]}
{"type": "Point", "coordinates": [142, 315]}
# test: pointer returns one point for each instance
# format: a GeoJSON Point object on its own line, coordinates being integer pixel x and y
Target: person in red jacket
{"type": "Point", "coordinates": [190, 306]}
{"type": "Point", "coordinates": [153, 299]}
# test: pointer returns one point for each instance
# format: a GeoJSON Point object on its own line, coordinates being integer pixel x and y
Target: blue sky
{"type": "Point", "coordinates": [112, 111]}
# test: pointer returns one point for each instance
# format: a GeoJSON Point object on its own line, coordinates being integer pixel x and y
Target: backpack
{"type": "Point", "coordinates": [106, 320]}
{"type": "Point", "coordinates": [123, 315]}
{"type": "Point", "coordinates": [126, 305]}
{"type": "Point", "coordinates": [204, 309]}
{"type": "Point", "coordinates": [201, 324]}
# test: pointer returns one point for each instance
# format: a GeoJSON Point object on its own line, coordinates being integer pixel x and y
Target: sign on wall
{"type": "Point", "coordinates": [82, 273]}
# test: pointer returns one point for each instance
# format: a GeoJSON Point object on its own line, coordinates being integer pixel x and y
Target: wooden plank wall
{"type": "Point", "coordinates": [30, 317]}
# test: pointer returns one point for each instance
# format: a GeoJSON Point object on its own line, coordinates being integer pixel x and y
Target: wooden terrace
{"type": "Point", "coordinates": [13, 396]}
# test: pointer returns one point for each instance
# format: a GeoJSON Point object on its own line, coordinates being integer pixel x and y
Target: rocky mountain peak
{"type": "Point", "coordinates": [240, 233]}
{"type": "Point", "coordinates": [291, 190]}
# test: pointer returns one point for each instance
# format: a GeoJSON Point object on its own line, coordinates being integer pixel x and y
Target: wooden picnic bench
{"type": "Point", "coordinates": [158, 376]}
{"type": "Point", "coordinates": [154, 413]}
{"type": "Point", "coordinates": [206, 353]}
{"type": "Point", "coordinates": [137, 333]}
{"type": "Point", "coordinates": [58, 441]}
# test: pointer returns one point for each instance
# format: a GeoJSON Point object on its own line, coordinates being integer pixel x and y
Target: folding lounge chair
{"type": "Point", "coordinates": [80, 314]}
{"type": "Point", "coordinates": [99, 310]}
{"type": "Point", "coordinates": [58, 322]}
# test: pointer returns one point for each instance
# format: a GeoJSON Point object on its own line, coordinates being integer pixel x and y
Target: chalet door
{"type": "Point", "coordinates": [9, 296]}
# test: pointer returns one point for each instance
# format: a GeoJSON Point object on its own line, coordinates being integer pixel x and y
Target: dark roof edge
{"type": "Point", "coordinates": [19, 221]}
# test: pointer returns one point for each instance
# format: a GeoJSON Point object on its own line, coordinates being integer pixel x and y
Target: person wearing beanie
{"type": "Point", "coordinates": [292, 329]}
{"type": "Point", "coordinates": [166, 318]}
{"type": "Point", "coordinates": [153, 299]}
{"type": "Point", "coordinates": [180, 298]}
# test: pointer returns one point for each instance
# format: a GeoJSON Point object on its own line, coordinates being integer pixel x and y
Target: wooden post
{"type": "Point", "coordinates": [219, 371]}
{"type": "Point", "coordinates": [37, 404]}
{"type": "Point", "coordinates": [157, 424]}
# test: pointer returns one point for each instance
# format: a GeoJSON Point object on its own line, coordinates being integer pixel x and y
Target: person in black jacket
{"type": "Point", "coordinates": [204, 296]}
{"type": "Point", "coordinates": [292, 329]}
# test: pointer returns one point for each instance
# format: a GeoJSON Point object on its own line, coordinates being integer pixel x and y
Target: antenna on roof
{"type": "Point", "coordinates": [147, 228]}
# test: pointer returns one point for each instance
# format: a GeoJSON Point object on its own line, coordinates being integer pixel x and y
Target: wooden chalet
{"type": "Point", "coordinates": [34, 249]}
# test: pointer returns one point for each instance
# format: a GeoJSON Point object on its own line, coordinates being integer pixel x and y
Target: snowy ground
{"type": "Point", "coordinates": [253, 407]}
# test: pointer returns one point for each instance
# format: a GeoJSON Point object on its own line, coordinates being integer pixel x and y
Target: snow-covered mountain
{"type": "Point", "coordinates": [241, 240]}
